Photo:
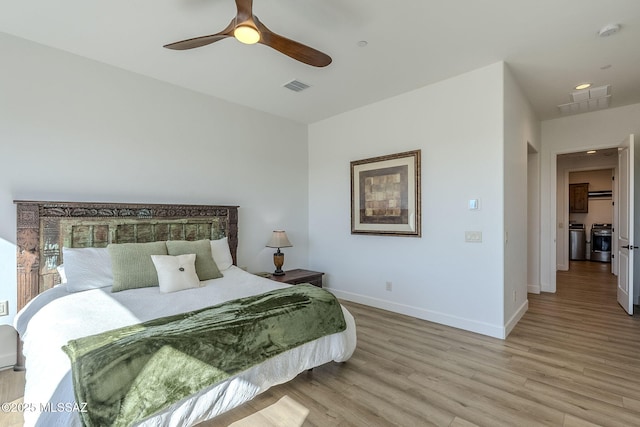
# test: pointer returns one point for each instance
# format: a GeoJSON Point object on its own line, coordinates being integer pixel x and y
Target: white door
{"type": "Point", "coordinates": [625, 225]}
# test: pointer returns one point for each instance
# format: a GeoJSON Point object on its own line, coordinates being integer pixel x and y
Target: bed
{"type": "Point", "coordinates": [54, 315]}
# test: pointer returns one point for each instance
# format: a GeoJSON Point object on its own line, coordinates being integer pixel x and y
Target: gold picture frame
{"type": "Point", "coordinates": [385, 195]}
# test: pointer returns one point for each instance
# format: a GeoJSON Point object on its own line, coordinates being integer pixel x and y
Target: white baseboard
{"type": "Point", "coordinates": [533, 289]}
{"type": "Point", "coordinates": [483, 328]}
{"type": "Point", "coordinates": [516, 317]}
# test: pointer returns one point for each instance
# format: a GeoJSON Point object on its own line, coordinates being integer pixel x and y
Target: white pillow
{"type": "Point", "coordinates": [176, 273]}
{"type": "Point", "coordinates": [87, 268]}
{"type": "Point", "coordinates": [221, 253]}
{"type": "Point", "coordinates": [61, 273]}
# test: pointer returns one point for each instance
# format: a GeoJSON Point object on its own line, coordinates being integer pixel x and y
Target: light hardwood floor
{"type": "Point", "coordinates": [573, 360]}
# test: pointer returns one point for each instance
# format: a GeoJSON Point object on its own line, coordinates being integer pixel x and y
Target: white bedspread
{"type": "Point", "coordinates": [56, 316]}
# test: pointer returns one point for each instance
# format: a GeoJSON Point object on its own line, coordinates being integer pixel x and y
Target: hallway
{"type": "Point", "coordinates": [588, 282]}
{"type": "Point", "coordinates": [585, 301]}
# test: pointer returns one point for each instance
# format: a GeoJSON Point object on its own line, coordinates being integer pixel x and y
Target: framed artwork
{"type": "Point", "coordinates": [385, 195]}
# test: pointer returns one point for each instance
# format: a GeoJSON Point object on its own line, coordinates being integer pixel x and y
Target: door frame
{"type": "Point", "coordinates": [551, 267]}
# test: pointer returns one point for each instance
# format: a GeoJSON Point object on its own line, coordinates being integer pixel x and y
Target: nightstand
{"type": "Point", "coordinates": [297, 276]}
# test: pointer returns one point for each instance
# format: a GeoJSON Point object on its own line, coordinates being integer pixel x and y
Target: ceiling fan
{"type": "Point", "coordinates": [247, 28]}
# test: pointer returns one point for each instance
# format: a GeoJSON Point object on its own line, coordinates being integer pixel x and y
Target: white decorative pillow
{"type": "Point", "coordinates": [87, 268]}
{"type": "Point", "coordinates": [221, 253]}
{"type": "Point", "coordinates": [176, 273]}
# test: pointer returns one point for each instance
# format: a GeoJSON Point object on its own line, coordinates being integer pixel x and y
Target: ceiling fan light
{"type": "Point", "coordinates": [246, 34]}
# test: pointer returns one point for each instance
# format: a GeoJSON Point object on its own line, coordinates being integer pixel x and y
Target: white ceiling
{"type": "Point", "coordinates": [550, 45]}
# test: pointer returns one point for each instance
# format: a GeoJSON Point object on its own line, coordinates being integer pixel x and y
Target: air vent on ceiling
{"type": "Point", "coordinates": [587, 100]}
{"type": "Point", "coordinates": [296, 86]}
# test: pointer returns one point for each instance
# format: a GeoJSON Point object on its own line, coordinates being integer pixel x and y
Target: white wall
{"type": "Point", "coordinates": [76, 130]}
{"type": "Point", "coordinates": [521, 133]}
{"type": "Point", "coordinates": [458, 125]}
{"type": "Point", "coordinates": [595, 130]}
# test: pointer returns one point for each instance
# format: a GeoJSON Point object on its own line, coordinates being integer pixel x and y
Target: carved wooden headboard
{"type": "Point", "coordinates": [44, 228]}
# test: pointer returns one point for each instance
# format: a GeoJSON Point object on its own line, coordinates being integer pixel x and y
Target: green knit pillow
{"type": "Point", "coordinates": [206, 267]}
{"type": "Point", "coordinates": [132, 265]}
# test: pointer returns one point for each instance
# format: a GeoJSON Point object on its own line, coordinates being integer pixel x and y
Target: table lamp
{"type": "Point", "coordinates": [278, 240]}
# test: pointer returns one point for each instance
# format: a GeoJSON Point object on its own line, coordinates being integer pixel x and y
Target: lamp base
{"type": "Point", "coordinates": [278, 261]}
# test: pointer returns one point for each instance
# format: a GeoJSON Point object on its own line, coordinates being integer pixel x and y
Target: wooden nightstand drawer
{"type": "Point", "coordinates": [297, 276]}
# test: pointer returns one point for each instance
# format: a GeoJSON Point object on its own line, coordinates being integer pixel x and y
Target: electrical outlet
{"type": "Point", "coordinates": [4, 308]}
{"type": "Point", "coordinates": [389, 286]}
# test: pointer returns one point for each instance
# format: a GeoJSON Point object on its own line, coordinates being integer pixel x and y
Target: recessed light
{"type": "Point", "coordinates": [583, 86]}
{"type": "Point", "coordinates": [591, 152]}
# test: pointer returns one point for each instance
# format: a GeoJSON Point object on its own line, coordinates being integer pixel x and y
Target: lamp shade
{"type": "Point", "coordinates": [279, 240]}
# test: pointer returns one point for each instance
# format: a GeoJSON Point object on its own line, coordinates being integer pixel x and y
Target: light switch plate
{"type": "Point", "coordinates": [4, 308]}
{"type": "Point", "coordinates": [473, 236]}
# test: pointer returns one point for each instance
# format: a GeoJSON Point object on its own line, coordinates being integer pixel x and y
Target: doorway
{"type": "Point", "coordinates": [596, 169]}
{"type": "Point", "coordinates": [592, 172]}
{"type": "Point", "coordinates": [591, 215]}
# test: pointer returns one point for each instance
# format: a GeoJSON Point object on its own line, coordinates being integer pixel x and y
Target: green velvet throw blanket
{"type": "Point", "coordinates": [128, 374]}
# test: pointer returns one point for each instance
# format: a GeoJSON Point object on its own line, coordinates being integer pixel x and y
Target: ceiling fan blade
{"type": "Point", "coordinates": [291, 48]}
{"type": "Point", "coordinates": [203, 40]}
